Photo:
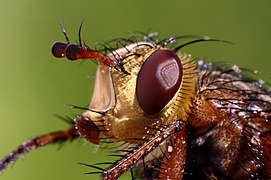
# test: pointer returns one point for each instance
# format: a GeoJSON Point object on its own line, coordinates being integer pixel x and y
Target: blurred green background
{"type": "Point", "coordinates": [35, 86]}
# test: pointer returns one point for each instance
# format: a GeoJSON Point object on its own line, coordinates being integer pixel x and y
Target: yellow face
{"type": "Point", "coordinates": [156, 90]}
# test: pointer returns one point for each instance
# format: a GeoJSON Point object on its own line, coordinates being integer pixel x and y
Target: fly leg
{"type": "Point", "coordinates": [173, 163]}
{"type": "Point", "coordinates": [141, 151]}
{"type": "Point", "coordinates": [36, 142]}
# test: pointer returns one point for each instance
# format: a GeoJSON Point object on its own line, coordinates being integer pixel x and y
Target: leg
{"type": "Point", "coordinates": [132, 158]}
{"type": "Point", "coordinates": [36, 142]}
{"type": "Point", "coordinates": [173, 163]}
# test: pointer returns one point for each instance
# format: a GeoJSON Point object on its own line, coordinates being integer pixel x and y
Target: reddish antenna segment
{"type": "Point", "coordinates": [75, 52]}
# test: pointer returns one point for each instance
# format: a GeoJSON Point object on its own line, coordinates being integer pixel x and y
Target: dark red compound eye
{"type": "Point", "coordinates": [59, 49]}
{"type": "Point", "coordinates": [158, 80]}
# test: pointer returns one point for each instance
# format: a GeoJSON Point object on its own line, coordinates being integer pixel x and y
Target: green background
{"type": "Point", "coordinates": [35, 86]}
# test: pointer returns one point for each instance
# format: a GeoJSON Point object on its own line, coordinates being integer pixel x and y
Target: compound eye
{"type": "Point", "coordinates": [58, 49]}
{"type": "Point", "coordinates": [158, 80]}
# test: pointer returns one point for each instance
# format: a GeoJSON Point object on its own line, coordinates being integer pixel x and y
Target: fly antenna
{"type": "Point", "coordinates": [63, 30]}
{"type": "Point", "coordinates": [79, 33]}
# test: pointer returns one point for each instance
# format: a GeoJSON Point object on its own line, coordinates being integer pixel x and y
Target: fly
{"type": "Point", "coordinates": [178, 118]}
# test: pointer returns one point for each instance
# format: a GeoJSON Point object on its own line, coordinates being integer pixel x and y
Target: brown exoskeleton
{"type": "Point", "coordinates": [180, 118]}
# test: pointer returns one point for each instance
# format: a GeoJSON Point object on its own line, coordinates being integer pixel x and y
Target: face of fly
{"type": "Point", "coordinates": [126, 106]}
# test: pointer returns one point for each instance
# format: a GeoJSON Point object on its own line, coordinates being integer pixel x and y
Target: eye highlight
{"type": "Point", "coordinates": [158, 80]}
